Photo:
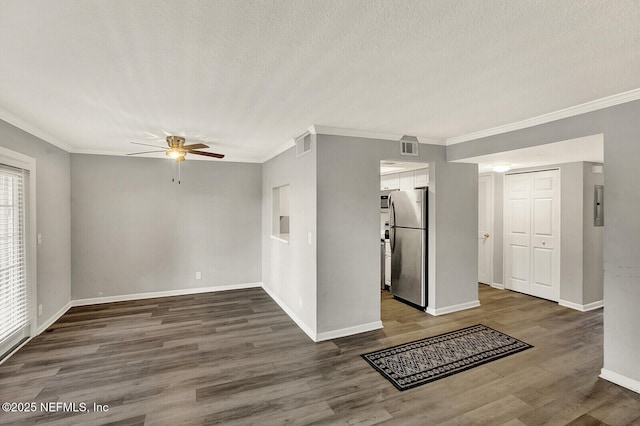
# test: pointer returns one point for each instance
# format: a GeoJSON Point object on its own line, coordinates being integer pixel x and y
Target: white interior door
{"type": "Point", "coordinates": [485, 229]}
{"type": "Point", "coordinates": [545, 235]}
{"type": "Point", "coordinates": [517, 232]}
{"type": "Point", "coordinates": [532, 233]}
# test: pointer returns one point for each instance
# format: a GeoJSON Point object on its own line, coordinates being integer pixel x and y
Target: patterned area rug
{"type": "Point", "coordinates": [423, 361]}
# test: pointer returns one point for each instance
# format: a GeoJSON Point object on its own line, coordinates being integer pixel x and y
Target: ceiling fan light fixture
{"type": "Point", "coordinates": [176, 154]}
{"type": "Point", "coordinates": [501, 168]}
{"type": "Point", "coordinates": [177, 150]}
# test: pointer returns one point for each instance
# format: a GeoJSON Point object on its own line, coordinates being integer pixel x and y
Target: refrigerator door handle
{"type": "Point", "coordinates": [392, 226]}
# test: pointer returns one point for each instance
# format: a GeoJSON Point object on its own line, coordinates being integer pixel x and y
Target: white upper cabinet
{"type": "Point", "coordinates": [421, 178]}
{"type": "Point", "coordinates": [406, 181]}
{"type": "Point", "coordinates": [388, 182]}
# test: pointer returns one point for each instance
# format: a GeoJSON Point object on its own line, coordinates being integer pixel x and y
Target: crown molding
{"type": "Point", "coordinates": [353, 133]}
{"type": "Point", "coordinates": [609, 101]}
{"type": "Point", "coordinates": [279, 150]}
{"type": "Point", "coordinates": [31, 129]}
{"type": "Point", "coordinates": [339, 131]}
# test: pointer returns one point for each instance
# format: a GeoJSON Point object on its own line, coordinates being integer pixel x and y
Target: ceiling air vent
{"type": "Point", "coordinates": [409, 145]}
{"type": "Point", "coordinates": [303, 144]}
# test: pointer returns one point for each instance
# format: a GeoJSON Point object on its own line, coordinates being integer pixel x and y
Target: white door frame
{"type": "Point", "coordinates": [489, 241]}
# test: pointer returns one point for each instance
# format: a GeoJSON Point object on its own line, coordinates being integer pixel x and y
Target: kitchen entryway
{"type": "Point", "coordinates": [398, 179]}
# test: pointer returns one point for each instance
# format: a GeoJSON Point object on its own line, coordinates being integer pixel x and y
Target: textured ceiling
{"type": "Point", "coordinates": [250, 75]}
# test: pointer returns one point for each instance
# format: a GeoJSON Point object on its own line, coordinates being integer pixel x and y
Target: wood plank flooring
{"type": "Point", "coordinates": [235, 358]}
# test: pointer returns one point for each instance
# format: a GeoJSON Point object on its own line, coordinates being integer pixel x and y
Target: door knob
{"type": "Point", "coordinates": [486, 235]}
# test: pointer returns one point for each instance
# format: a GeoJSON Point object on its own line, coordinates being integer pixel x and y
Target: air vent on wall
{"type": "Point", "coordinates": [409, 145]}
{"type": "Point", "coordinates": [303, 144]}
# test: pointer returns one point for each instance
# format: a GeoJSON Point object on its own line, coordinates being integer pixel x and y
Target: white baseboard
{"type": "Point", "coordinates": [620, 380]}
{"type": "Point", "coordinates": [343, 332]}
{"type": "Point", "coordinates": [327, 335]}
{"type": "Point", "coordinates": [498, 286]}
{"type": "Point", "coordinates": [581, 308]}
{"type": "Point", "coordinates": [55, 317]}
{"type": "Point", "coordinates": [452, 308]}
{"type": "Point", "coordinates": [165, 293]}
{"type": "Point", "coordinates": [303, 326]}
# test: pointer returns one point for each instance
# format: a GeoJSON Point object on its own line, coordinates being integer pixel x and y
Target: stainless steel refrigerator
{"type": "Point", "coordinates": [408, 213]}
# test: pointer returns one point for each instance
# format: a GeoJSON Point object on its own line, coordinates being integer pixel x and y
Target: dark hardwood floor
{"type": "Point", "coordinates": [235, 358]}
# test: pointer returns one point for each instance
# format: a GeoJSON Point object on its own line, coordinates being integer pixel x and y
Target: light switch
{"type": "Point", "coordinates": [39, 239]}
{"type": "Point", "coordinates": [198, 275]}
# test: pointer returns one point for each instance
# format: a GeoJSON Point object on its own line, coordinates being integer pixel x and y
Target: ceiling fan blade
{"type": "Point", "coordinates": [145, 152]}
{"type": "Point", "coordinates": [147, 144]}
{"type": "Point", "coordinates": [195, 146]}
{"type": "Point", "coordinates": [208, 154]}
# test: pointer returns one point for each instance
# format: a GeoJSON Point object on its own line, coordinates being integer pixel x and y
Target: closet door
{"type": "Point", "coordinates": [545, 235]}
{"type": "Point", "coordinates": [517, 232]}
{"type": "Point", "coordinates": [532, 233]}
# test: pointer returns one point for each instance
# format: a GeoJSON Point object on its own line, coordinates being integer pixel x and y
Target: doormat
{"type": "Point", "coordinates": [416, 363]}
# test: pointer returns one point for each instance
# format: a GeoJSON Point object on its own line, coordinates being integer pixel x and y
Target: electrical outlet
{"type": "Point", "coordinates": [309, 237]}
{"type": "Point", "coordinates": [39, 239]}
{"type": "Point", "coordinates": [40, 309]}
{"type": "Point", "coordinates": [198, 275]}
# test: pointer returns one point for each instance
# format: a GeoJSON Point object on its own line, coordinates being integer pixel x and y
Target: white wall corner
{"type": "Point", "coordinates": [279, 150]}
{"type": "Point", "coordinates": [299, 322]}
{"type": "Point", "coordinates": [348, 331]}
{"type": "Point", "coordinates": [582, 308]}
{"type": "Point", "coordinates": [620, 380]}
{"type": "Point", "coordinates": [55, 317]}
{"type": "Point", "coordinates": [452, 308]}
{"type": "Point", "coordinates": [167, 293]}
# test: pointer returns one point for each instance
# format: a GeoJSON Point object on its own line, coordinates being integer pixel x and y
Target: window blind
{"type": "Point", "coordinates": [14, 304]}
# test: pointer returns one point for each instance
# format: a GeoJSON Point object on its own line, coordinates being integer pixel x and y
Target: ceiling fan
{"type": "Point", "coordinates": [178, 150]}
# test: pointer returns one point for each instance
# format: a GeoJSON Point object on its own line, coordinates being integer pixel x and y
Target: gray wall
{"type": "Point", "coordinates": [622, 241]}
{"type": "Point", "coordinates": [621, 130]}
{"type": "Point", "coordinates": [593, 241]}
{"type": "Point", "coordinates": [498, 227]}
{"type": "Point", "coordinates": [289, 270]}
{"type": "Point", "coordinates": [348, 233]}
{"type": "Point", "coordinates": [134, 231]}
{"type": "Point", "coordinates": [571, 241]}
{"type": "Point", "coordinates": [348, 170]}
{"type": "Point", "coordinates": [52, 217]}
{"type": "Point", "coordinates": [456, 231]}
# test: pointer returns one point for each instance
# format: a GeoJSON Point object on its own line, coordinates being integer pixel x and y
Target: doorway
{"type": "Point", "coordinates": [397, 176]}
{"type": "Point", "coordinates": [485, 229]}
